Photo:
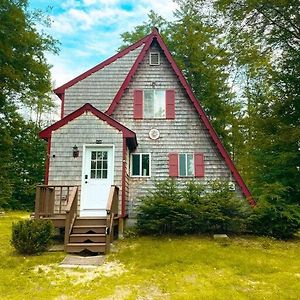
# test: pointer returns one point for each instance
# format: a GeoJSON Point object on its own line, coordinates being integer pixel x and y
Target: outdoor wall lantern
{"type": "Point", "coordinates": [75, 151]}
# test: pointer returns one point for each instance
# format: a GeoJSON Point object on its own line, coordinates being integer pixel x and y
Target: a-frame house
{"type": "Point", "coordinates": [126, 123]}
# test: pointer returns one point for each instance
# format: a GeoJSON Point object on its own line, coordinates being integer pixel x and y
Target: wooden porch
{"type": "Point", "coordinates": [59, 203]}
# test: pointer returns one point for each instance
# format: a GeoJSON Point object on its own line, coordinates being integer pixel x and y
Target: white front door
{"type": "Point", "coordinates": [97, 178]}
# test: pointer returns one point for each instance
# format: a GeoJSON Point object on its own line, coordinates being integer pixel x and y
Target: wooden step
{"type": "Point", "coordinates": [78, 247]}
{"type": "Point", "coordinates": [82, 237]}
{"type": "Point", "coordinates": [90, 221]}
{"type": "Point", "coordinates": [89, 229]}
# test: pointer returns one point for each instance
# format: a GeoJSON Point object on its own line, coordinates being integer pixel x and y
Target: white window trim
{"type": "Point", "coordinates": [154, 118]}
{"type": "Point", "coordinates": [186, 165]}
{"type": "Point", "coordinates": [158, 60]}
{"type": "Point", "coordinates": [138, 176]}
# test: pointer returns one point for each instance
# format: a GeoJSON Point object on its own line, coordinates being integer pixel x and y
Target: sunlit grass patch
{"type": "Point", "coordinates": [188, 267]}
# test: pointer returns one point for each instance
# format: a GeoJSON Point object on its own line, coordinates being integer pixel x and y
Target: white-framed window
{"type": "Point", "coordinates": [154, 103]}
{"type": "Point", "coordinates": [140, 165]}
{"type": "Point", "coordinates": [154, 58]}
{"type": "Point", "coordinates": [186, 165]}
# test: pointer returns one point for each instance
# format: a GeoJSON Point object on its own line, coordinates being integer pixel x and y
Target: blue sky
{"type": "Point", "coordinates": [89, 30]}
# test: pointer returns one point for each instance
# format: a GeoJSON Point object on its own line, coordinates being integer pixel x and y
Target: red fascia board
{"type": "Point", "coordinates": [129, 76]}
{"type": "Point", "coordinates": [47, 165]}
{"type": "Point", "coordinates": [62, 108]}
{"type": "Point", "coordinates": [124, 165]}
{"type": "Point", "coordinates": [199, 109]}
{"type": "Point", "coordinates": [127, 133]}
{"type": "Point", "coordinates": [206, 122]}
{"type": "Point", "coordinates": [61, 89]}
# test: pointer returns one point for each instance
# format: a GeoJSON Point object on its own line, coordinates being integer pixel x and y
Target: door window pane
{"type": "Point", "coordinates": [105, 164]}
{"type": "Point", "coordinates": [93, 154]}
{"type": "Point", "coordinates": [99, 164]}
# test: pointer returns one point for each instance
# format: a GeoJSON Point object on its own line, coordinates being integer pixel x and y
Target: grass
{"type": "Point", "coordinates": [188, 267]}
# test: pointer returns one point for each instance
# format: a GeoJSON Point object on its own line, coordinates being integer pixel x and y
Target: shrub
{"type": "Point", "coordinates": [194, 209]}
{"type": "Point", "coordinates": [160, 210]}
{"type": "Point", "coordinates": [273, 216]}
{"type": "Point", "coordinates": [32, 236]}
{"type": "Point", "coordinates": [216, 209]}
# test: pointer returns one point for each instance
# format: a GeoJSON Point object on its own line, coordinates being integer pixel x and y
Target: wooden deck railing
{"type": "Point", "coordinates": [112, 211]}
{"type": "Point", "coordinates": [51, 200]}
{"type": "Point", "coordinates": [71, 213]}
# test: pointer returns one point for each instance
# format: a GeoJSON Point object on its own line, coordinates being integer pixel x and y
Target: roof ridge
{"type": "Point", "coordinates": [131, 72]}
{"type": "Point", "coordinates": [60, 90]}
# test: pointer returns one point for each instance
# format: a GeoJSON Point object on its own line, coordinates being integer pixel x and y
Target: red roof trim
{"type": "Point", "coordinates": [192, 97]}
{"type": "Point", "coordinates": [124, 182]}
{"type": "Point", "coordinates": [207, 123]}
{"type": "Point", "coordinates": [61, 89]}
{"type": "Point", "coordinates": [47, 164]}
{"type": "Point", "coordinates": [131, 72]}
{"type": "Point", "coordinates": [127, 133]}
{"type": "Point", "coordinates": [62, 108]}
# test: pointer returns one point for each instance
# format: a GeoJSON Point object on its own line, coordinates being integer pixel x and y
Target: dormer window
{"type": "Point", "coordinates": [154, 58]}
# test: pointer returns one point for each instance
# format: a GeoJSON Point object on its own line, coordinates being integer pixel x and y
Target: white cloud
{"type": "Point", "coordinates": [70, 3]}
{"type": "Point", "coordinates": [100, 2]}
{"type": "Point", "coordinates": [164, 8]}
{"type": "Point", "coordinates": [89, 31]}
{"type": "Point", "coordinates": [75, 19]}
{"type": "Point", "coordinates": [61, 26]}
{"type": "Point", "coordinates": [63, 69]}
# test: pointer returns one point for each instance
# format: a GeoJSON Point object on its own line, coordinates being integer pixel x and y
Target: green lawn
{"type": "Point", "coordinates": [157, 268]}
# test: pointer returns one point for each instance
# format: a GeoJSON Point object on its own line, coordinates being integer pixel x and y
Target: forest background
{"type": "Point", "coordinates": [240, 57]}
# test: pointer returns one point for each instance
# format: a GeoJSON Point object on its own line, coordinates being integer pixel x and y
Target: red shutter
{"type": "Point", "coordinates": [138, 104]}
{"type": "Point", "coordinates": [170, 104]}
{"type": "Point", "coordinates": [199, 164]}
{"type": "Point", "coordinates": [173, 164]}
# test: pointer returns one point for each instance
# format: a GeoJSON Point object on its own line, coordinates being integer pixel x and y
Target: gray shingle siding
{"type": "Point", "coordinates": [100, 88]}
{"type": "Point", "coordinates": [185, 134]}
{"type": "Point", "coordinates": [86, 129]}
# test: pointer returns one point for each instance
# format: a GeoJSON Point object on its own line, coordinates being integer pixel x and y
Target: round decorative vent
{"type": "Point", "coordinates": [154, 134]}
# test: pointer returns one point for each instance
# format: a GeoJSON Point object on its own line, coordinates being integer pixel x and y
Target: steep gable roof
{"type": "Point", "coordinates": [147, 43]}
{"type": "Point", "coordinates": [60, 90]}
{"type": "Point", "coordinates": [127, 133]}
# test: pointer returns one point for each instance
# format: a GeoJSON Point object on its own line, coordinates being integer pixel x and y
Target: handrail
{"type": "Point", "coordinates": [112, 211]}
{"type": "Point", "coordinates": [71, 213]}
{"type": "Point", "coordinates": [51, 200]}
{"type": "Point", "coordinates": [54, 185]}
{"type": "Point", "coordinates": [113, 200]}
{"type": "Point", "coordinates": [71, 198]}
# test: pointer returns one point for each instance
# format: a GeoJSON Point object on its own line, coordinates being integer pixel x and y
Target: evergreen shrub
{"type": "Point", "coordinates": [273, 216]}
{"type": "Point", "coordinates": [195, 208]}
{"type": "Point", "coordinates": [32, 236]}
